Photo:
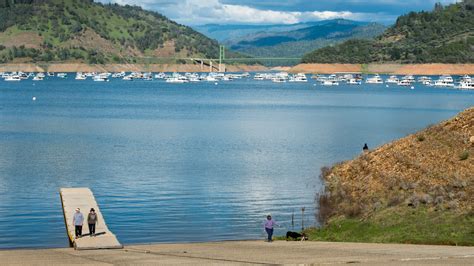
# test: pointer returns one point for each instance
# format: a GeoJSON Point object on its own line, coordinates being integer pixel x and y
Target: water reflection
{"type": "Point", "coordinates": [173, 163]}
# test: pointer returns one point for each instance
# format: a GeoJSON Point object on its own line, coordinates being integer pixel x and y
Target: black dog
{"type": "Point", "coordinates": [295, 236]}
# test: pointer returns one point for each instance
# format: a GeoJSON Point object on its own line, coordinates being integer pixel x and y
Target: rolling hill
{"type": "Point", "coordinates": [232, 33]}
{"type": "Point", "coordinates": [444, 35]}
{"type": "Point", "coordinates": [85, 31]}
{"type": "Point", "coordinates": [293, 40]}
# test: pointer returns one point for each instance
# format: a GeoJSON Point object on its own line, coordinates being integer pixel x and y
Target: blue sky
{"type": "Point", "coordinates": [198, 12]}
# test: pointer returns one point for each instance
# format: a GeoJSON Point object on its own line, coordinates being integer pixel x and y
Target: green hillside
{"type": "Point", "coordinates": [296, 43]}
{"type": "Point", "coordinates": [81, 30]}
{"type": "Point", "coordinates": [444, 35]}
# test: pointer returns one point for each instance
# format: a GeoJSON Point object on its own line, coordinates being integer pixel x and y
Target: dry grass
{"type": "Point", "coordinates": [431, 168]}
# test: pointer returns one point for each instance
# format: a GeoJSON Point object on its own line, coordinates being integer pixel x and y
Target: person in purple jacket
{"type": "Point", "coordinates": [268, 226]}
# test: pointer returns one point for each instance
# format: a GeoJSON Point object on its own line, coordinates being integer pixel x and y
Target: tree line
{"type": "Point", "coordinates": [444, 35]}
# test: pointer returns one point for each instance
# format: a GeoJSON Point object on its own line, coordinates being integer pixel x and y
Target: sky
{"type": "Point", "coordinates": [199, 12]}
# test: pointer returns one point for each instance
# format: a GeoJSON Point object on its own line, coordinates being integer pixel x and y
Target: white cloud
{"type": "Point", "coordinates": [195, 12]}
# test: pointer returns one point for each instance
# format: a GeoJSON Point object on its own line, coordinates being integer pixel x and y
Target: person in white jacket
{"type": "Point", "coordinates": [78, 220]}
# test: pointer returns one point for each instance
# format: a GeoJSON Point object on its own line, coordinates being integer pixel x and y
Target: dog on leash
{"type": "Point", "coordinates": [295, 235]}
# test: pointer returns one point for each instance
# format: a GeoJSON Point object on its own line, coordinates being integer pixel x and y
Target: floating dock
{"type": "Point", "coordinates": [72, 198]}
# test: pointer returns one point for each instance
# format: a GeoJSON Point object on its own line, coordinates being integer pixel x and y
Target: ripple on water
{"type": "Point", "coordinates": [188, 163]}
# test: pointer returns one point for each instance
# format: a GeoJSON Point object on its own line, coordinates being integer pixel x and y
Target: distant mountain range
{"type": "Point", "coordinates": [232, 32]}
{"type": "Point", "coordinates": [289, 40]}
{"type": "Point", "coordinates": [85, 31]}
{"type": "Point", "coordinates": [444, 35]}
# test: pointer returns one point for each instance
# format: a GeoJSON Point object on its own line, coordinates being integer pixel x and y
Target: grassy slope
{"type": "Point", "coordinates": [401, 225]}
{"type": "Point", "coordinates": [419, 189]}
{"type": "Point", "coordinates": [124, 30]}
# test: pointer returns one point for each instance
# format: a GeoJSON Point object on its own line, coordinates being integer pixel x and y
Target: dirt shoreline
{"type": "Point", "coordinates": [395, 69]}
{"type": "Point", "coordinates": [81, 67]}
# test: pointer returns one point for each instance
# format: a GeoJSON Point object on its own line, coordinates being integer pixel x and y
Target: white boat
{"type": "Point", "coordinates": [228, 78]}
{"type": "Point", "coordinates": [118, 75]}
{"type": "Point", "coordinates": [101, 77]}
{"type": "Point", "coordinates": [444, 81]}
{"type": "Point", "coordinates": [160, 75]}
{"type": "Point", "coordinates": [447, 78]}
{"type": "Point", "coordinates": [13, 78]}
{"type": "Point", "coordinates": [353, 81]}
{"type": "Point", "coordinates": [23, 75]}
{"type": "Point", "coordinates": [393, 80]}
{"type": "Point", "coordinates": [300, 77]}
{"type": "Point", "coordinates": [346, 77]}
{"type": "Point", "coordinates": [62, 75]}
{"type": "Point", "coordinates": [422, 79]}
{"type": "Point", "coordinates": [466, 78]}
{"type": "Point", "coordinates": [374, 80]}
{"type": "Point", "coordinates": [38, 78]}
{"type": "Point", "coordinates": [466, 85]}
{"type": "Point", "coordinates": [258, 77]}
{"type": "Point", "coordinates": [427, 83]}
{"type": "Point", "coordinates": [177, 80]}
{"type": "Point", "coordinates": [194, 79]}
{"type": "Point", "coordinates": [330, 82]}
{"type": "Point", "coordinates": [128, 77]}
{"type": "Point", "coordinates": [80, 76]}
{"type": "Point", "coordinates": [409, 78]}
{"type": "Point", "coordinates": [279, 80]}
{"type": "Point", "coordinates": [211, 78]}
{"type": "Point", "coordinates": [404, 82]}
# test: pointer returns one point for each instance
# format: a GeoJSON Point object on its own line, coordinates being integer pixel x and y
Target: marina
{"type": "Point", "coordinates": [446, 81]}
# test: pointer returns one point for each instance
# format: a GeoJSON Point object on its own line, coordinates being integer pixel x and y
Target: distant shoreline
{"type": "Point", "coordinates": [82, 67]}
{"type": "Point", "coordinates": [393, 69]}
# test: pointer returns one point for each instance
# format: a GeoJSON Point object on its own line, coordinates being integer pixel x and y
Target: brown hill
{"type": "Point", "coordinates": [433, 168]}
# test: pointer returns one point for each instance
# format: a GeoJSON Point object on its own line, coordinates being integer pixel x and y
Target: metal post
{"type": "Point", "coordinates": [293, 220]}
{"type": "Point", "coordinates": [221, 58]}
{"type": "Point", "coordinates": [302, 219]}
{"type": "Point", "coordinates": [221, 54]}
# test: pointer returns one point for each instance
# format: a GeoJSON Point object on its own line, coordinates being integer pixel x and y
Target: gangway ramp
{"type": "Point", "coordinates": [72, 198]}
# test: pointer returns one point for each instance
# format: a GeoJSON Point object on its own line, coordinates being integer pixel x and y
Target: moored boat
{"type": "Point", "coordinates": [376, 79]}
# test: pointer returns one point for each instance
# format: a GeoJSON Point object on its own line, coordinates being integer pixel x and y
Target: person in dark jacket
{"type": "Point", "coordinates": [92, 221]}
{"type": "Point", "coordinates": [365, 148]}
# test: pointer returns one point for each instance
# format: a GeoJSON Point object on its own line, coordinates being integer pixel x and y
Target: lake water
{"type": "Point", "coordinates": [189, 162]}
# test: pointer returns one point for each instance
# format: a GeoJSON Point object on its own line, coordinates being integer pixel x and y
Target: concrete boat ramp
{"type": "Point", "coordinates": [72, 198]}
{"type": "Point", "coordinates": [248, 253]}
